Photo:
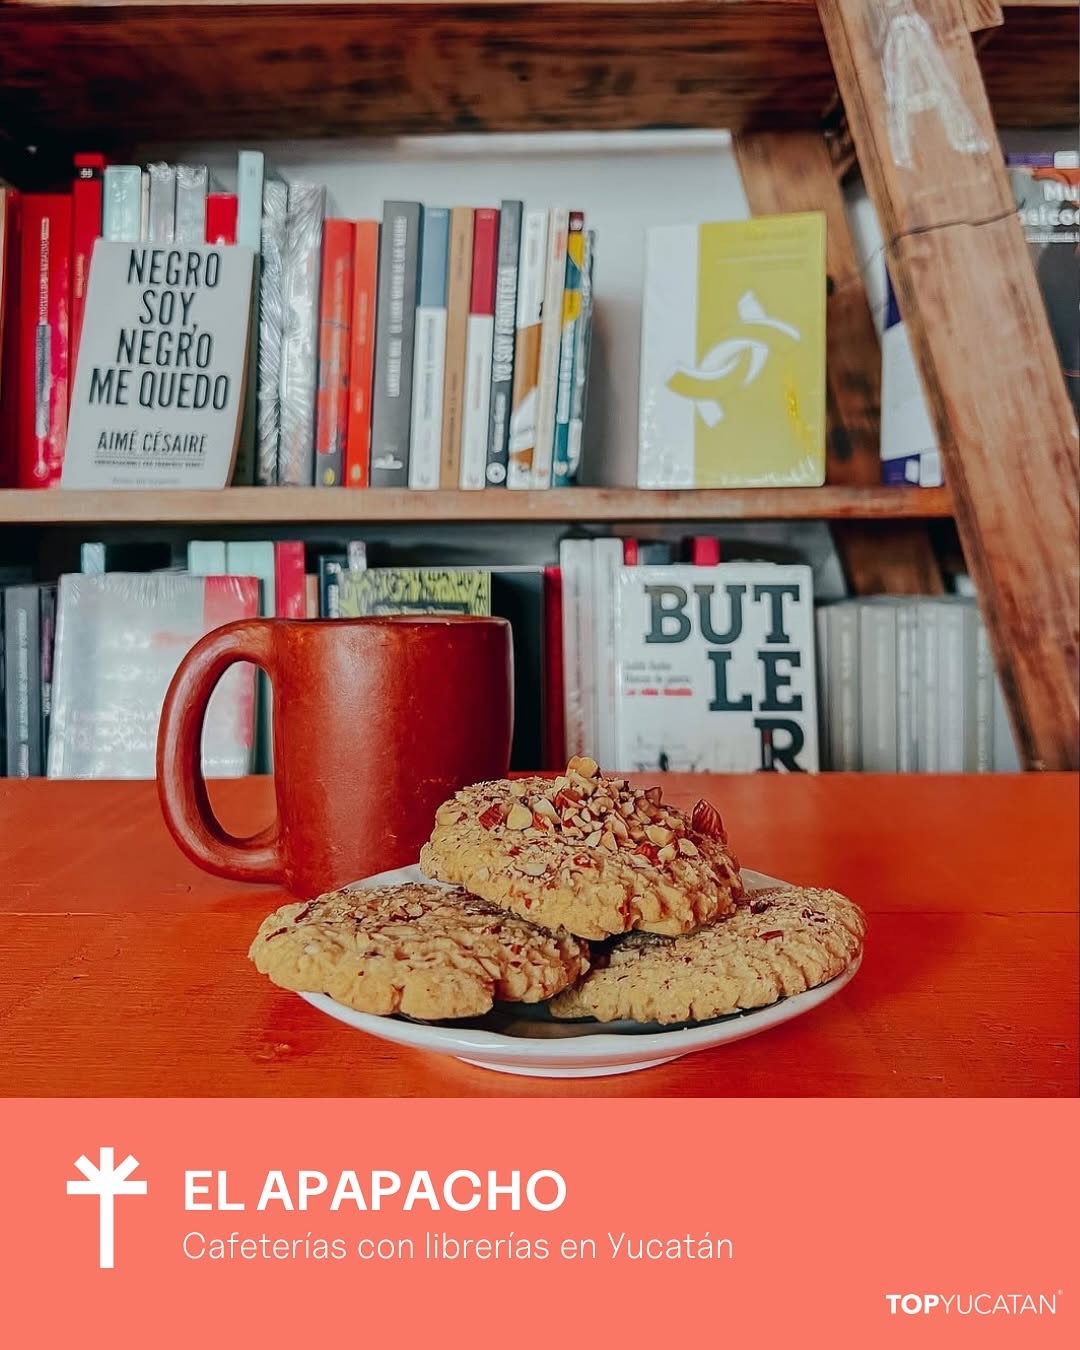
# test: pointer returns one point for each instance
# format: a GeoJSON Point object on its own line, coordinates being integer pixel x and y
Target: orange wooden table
{"type": "Point", "coordinates": [125, 970]}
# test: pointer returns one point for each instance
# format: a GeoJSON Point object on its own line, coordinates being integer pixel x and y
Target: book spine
{"type": "Point", "coordinates": [22, 662]}
{"type": "Point", "coordinates": [222, 209]}
{"type": "Point", "coordinates": [550, 334]}
{"type": "Point", "coordinates": [429, 361]}
{"type": "Point", "coordinates": [311, 596]}
{"type": "Point", "coordinates": [191, 180]}
{"type": "Point", "coordinates": [929, 713]}
{"type": "Point", "coordinates": [877, 668]}
{"type": "Point", "coordinates": [249, 208]}
{"type": "Point", "coordinates": [606, 565]}
{"type": "Point", "coordinates": [458, 291]}
{"type": "Point", "coordinates": [161, 220]}
{"type": "Point", "coordinates": [257, 560]}
{"type": "Point", "coordinates": [395, 341]}
{"type": "Point", "coordinates": [844, 687]}
{"type": "Point", "coordinates": [331, 567]}
{"type": "Point", "coordinates": [553, 699]}
{"type": "Point", "coordinates": [144, 204]}
{"type": "Point", "coordinates": [478, 349]}
{"type": "Point", "coordinates": [10, 346]}
{"type": "Point", "coordinates": [45, 292]}
{"type": "Point", "coordinates": [92, 557]}
{"type": "Point", "coordinates": [575, 562]}
{"type": "Point", "coordinates": [290, 582]}
{"type": "Point", "coordinates": [86, 199]}
{"type": "Point", "coordinates": [361, 356]}
{"type": "Point", "coordinates": [906, 679]}
{"type": "Point", "coordinates": [271, 332]}
{"type": "Point", "coordinates": [821, 656]}
{"type": "Point", "coordinates": [582, 353]}
{"type": "Point", "coordinates": [47, 647]}
{"type": "Point", "coordinates": [332, 411]}
{"type": "Point", "coordinates": [206, 557]}
{"type": "Point", "coordinates": [122, 203]}
{"type": "Point", "coordinates": [983, 699]}
{"type": "Point", "coordinates": [571, 316]}
{"type": "Point", "coordinates": [300, 335]}
{"type": "Point", "coordinates": [532, 262]}
{"type": "Point", "coordinates": [502, 350]}
{"type": "Point", "coordinates": [951, 685]}
{"type": "Point", "coordinates": [704, 550]}
{"type": "Point", "coordinates": [631, 553]}
{"type": "Point", "coordinates": [1006, 756]}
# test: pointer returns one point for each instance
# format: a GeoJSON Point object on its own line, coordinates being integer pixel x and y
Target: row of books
{"type": "Point", "coordinates": [646, 666]}
{"type": "Point", "coordinates": [442, 346]}
{"type": "Point", "coordinates": [908, 685]}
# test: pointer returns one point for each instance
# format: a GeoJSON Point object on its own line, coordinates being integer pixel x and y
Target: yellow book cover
{"type": "Point", "coordinates": [733, 354]}
{"type": "Point", "coordinates": [414, 590]}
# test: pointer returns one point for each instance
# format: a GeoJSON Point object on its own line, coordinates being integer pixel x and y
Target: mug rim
{"type": "Point", "coordinates": [399, 620]}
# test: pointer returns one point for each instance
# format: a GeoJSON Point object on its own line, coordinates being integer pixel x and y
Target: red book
{"type": "Point", "coordinates": [45, 287]}
{"type": "Point", "coordinates": [85, 228]}
{"type": "Point", "coordinates": [221, 208]}
{"type": "Point", "coordinates": [290, 584]}
{"type": "Point", "coordinates": [335, 320]}
{"type": "Point", "coordinates": [485, 261]}
{"type": "Point", "coordinates": [554, 711]}
{"type": "Point", "coordinates": [362, 343]}
{"type": "Point", "coordinates": [704, 551]}
{"type": "Point", "coordinates": [9, 335]}
{"type": "Point", "coordinates": [630, 552]}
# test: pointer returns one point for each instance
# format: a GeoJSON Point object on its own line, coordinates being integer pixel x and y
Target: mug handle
{"type": "Point", "coordinates": [185, 802]}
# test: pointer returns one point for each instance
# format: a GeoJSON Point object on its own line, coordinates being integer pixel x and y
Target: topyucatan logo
{"type": "Point", "coordinates": [107, 1180]}
{"type": "Point", "coordinates": [979, 1305]}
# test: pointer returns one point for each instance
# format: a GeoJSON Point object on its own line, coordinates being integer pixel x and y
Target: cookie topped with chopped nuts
{"type": "Point", "coordinates": [785, 941]}
{"type": "Point", "coordinates": [587, 853]}
{"type": "Point", "coordinates": [424, 951]}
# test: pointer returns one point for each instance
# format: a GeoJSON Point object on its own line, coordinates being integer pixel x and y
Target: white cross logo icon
{"type": "Point", "coordinates": [106, 1181]}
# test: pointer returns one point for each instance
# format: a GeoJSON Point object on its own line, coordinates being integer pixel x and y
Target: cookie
{"type": "Point", "coordinates": [419, 950]}
{"type": "Point", "coordinates": [783, 942]}
{"type": "Point", "coordinates": [586, 853]}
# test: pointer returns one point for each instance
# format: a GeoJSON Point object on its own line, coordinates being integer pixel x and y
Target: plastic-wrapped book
{"type": "Point", "coordinates": [119, 639]}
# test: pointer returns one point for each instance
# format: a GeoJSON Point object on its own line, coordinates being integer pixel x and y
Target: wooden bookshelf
{"type": "Point", "coordinates": [103, 71]}
{"type": "Point", "coordinates": [570, 505]}
{"type": "Point", "coordinates": [109, 73]}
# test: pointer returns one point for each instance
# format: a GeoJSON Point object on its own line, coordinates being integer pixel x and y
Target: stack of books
{"type": "Point", "coordinates": [439, 347]}
{"type": "Point", "coordinates": [908, 685]}
{"type": "Point", "coordinates": [648, 656]}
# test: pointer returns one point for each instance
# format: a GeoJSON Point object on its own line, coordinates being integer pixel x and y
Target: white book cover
{"type": "Point", "coordinates": [715, 669]}
{"type": "Point", "coordinates": [479, 341]}
{"type": "Point", "coordinates": [532, 267]}
{"type": "Point", "coordinates": [159, 385]}
{"type": "Point", "coordinates": [607, 566]}
{"type": "Point", "coordinates": [550, 339]}
{"type": "Point", "coordinates": [579, 685]}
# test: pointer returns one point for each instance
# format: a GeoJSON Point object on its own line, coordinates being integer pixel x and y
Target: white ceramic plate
{"type": "Point", "coordinates": [525, 1039]}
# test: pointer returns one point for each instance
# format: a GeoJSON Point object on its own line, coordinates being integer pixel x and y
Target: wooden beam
{"type": "Point", "coordinates": [794, 171]}
{"type": "Point", "coordinates": [989, 367]}
{"type": "Point", "coordinates": [980, 14]}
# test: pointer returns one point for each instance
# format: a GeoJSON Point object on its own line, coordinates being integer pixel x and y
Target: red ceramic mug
{"type": "Point", "coordinates": [375, 723]}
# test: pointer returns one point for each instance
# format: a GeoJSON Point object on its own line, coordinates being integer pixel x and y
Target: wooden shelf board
{"type": "Point", "coordinates": [570, 505]}
{"type": "Point", "coordinates": [100, 74]}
